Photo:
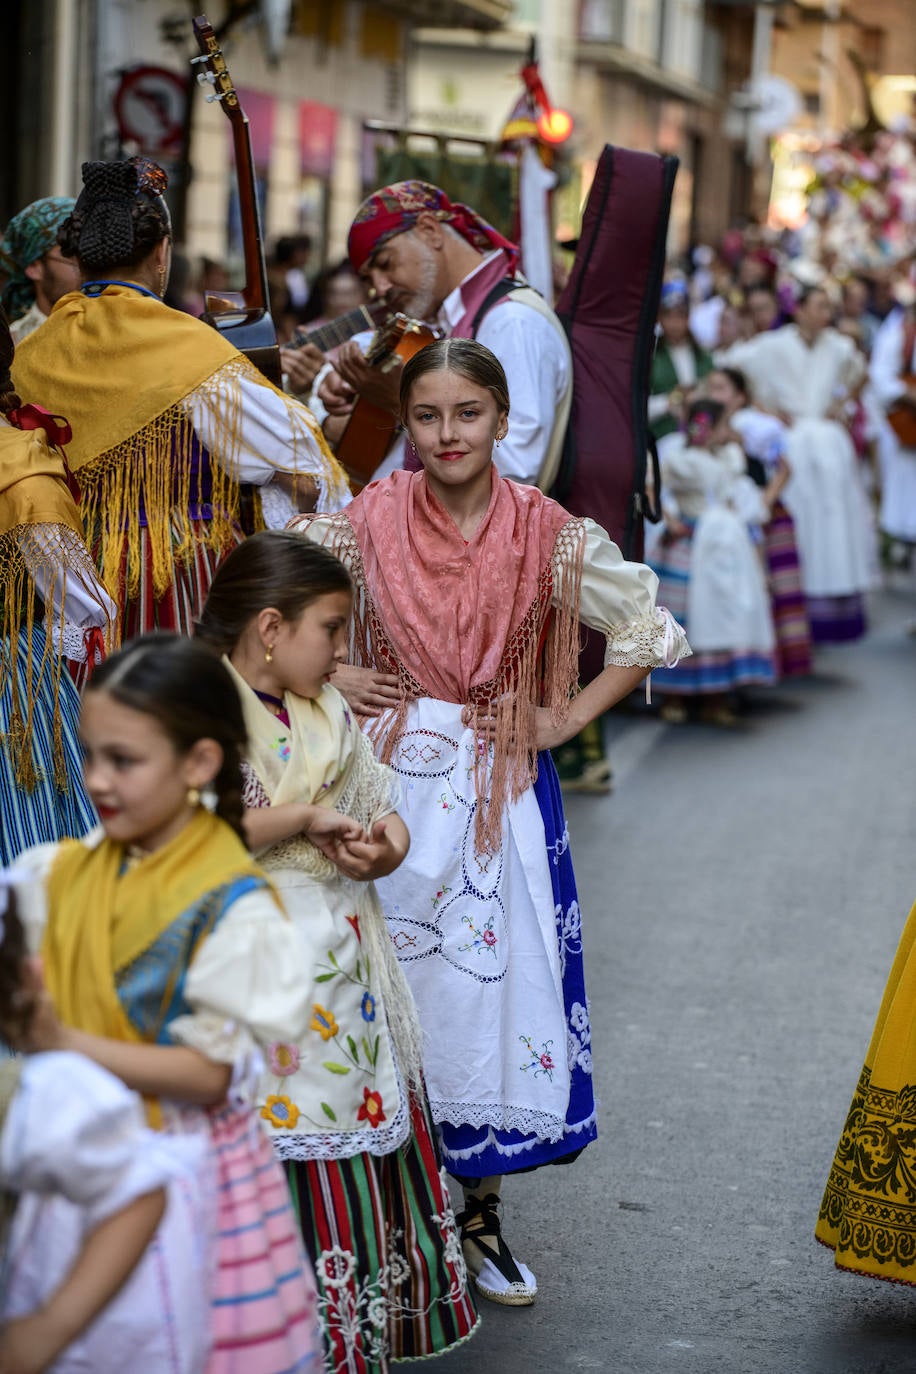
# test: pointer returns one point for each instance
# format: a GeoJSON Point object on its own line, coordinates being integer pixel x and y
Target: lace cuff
{"type": "Point", "coordinates": [652, 641]}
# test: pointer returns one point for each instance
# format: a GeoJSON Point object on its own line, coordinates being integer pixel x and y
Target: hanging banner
{"type": "Point", "coordinates": [317, 138]}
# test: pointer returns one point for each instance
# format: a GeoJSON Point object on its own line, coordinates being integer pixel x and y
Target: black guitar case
{"type": "Point", "coordinates": [609, 308]}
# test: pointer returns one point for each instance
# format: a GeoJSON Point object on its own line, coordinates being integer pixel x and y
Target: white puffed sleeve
{"type": "Point", "coordinates": [618, 598]}
{"type": "Point", "coordinates": [74, 1130]}
{"type": "Point", "coordinates": [248, 985]}
{"type": "Point", "coordinates": [277, 434]}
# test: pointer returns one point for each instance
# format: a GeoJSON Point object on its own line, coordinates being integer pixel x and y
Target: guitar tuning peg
{"type": "Point", "coordinates": [206, 79]}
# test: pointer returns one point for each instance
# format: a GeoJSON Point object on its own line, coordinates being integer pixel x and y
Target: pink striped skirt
{"type": "Point", "coordinates": [265, 1308]}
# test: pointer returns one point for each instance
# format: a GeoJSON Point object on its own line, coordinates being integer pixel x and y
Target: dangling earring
{"type": "Point", "coordinates": [193, 796]}
{"type": "Point", "coordinates": [269, 655]}
{"type": "Point", "coordinates": [209, 798]}
{"type": "Point", "coordinates": [163, 275]}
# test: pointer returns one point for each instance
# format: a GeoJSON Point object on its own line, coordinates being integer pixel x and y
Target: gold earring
{"type": "Point", "coordinates": [163, 275]}
{"type": "Point", "coordinates": [193, 797]}
{"type": "Point", "coordinates": [269, 656]}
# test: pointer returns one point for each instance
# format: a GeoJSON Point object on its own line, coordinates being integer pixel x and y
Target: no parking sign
{"type": "Point", "coordinates": [149, 106]}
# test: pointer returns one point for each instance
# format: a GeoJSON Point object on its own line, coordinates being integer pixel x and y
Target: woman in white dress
{"type": "Point", "coordinates": [893, 360]}
{"type": "Point", "coordinates": [807, 372]}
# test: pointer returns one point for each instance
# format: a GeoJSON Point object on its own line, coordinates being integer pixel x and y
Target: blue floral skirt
{"type": "Point", "coordinates": [471, 1152]}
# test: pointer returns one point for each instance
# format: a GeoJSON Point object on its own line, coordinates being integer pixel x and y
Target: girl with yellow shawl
{"type": "Point", "coordinates": [52, 606]}
{"type": "Point", "coordinates": [344, 1103]}
{"type": "Point", "coordinates": [169, 420]}
{"type": "Point", "coordinates": [170, 962]}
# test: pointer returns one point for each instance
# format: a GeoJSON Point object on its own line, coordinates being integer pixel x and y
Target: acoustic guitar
{"type": "Point", "coordinates": [336, 332]}
{"type": "Point", "coordinates": [370, 429]}
{"type": "Point", "coordinates": [243, 317]}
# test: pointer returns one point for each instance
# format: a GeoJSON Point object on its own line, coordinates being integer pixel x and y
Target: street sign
{"type": "Point", "coordinates": [149, 106]}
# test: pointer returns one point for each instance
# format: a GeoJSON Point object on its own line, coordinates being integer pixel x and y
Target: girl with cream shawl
{"type": "Point", "coordinates": [170, 421]}
{"type": "Point", "coordinates": [344, 1102]}
{"type": "Point", "coordinates": [169, 961]}
{"type": "Point", "coordinates": [52, 607]}
{"type": "Point", "coordinates": [469, 591]}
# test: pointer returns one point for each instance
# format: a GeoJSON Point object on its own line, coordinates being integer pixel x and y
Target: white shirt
{"type": "Point", "coordinates": [887, 361]}
{"type": "Point", "coordinates": [795, 378]}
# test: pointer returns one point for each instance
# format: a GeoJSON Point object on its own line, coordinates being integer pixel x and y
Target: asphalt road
{"type": "Point", "coordinates": [743, 894]}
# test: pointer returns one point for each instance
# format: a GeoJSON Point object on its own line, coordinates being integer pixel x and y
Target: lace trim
{"type": "Point", "coordinates": [526, 1120]}
{"type": "Point", "coordinates": [652, 641]}
{"type": "Point", "coordinates": [379, 1140]}
{"type": "Point", "coordinates": [69, 640]}
{"type": "Point", "coordinates": [276, 506]}
{"type": "Point", "coordinates": [523, 1146]}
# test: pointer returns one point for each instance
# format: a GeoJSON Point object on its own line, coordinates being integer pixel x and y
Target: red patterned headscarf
{"type": "Point", "coordinates": [395, 209]}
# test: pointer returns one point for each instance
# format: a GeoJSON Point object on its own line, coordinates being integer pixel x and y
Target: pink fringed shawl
{"type": "Point", "coordinates": [466, 622]}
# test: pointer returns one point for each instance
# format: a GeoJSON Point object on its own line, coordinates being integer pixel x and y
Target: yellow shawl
{"type": "Point", "coordinates": [121, 366]}
{"type": "Point", "coordinates": [39, 527]}
{"type": "Point", "coordinates": [103, 916]}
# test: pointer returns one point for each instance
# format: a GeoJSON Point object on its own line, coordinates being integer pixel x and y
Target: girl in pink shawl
{"type": "Point", "coordinates": [469, 590]}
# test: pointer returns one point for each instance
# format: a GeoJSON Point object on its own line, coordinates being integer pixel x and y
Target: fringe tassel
{"type": "Point", "coordinates": [153, 471]}
{"type": "Point", "coordinates": [59, 553]}
{"type": "Point", "coordinates": [504, 771]}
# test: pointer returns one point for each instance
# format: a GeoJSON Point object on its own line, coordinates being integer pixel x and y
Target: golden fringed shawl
{"type": "Point", "coordinates": [121, 366]}
{"type": "Point", "coordinates": [103, 916]}
{"type": "Point", "coordinates": [491, 623]}
{"type": "Point", "coordinates": [39, 527]}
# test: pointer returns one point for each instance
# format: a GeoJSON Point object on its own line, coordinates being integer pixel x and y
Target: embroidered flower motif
{"type": "Point", "coordinates": [280, 1112]}
{"type": "Point", "coordinates": [585, 1061]}
{"type": "Point", "coordinates": [337, 1266]}
{"type": "Point", "coordinates": [367, 1007]}
{"type": "Point", "coordinates": [354, 922]}
{"type": "Point", "coordinates": [323, 1022]}
{"type": "Point", "coordinates": [578, 1016]}
{"type": "Point", "coordinates": [483, 937]}
{"type": "Point", "coordinates": [371, 1110]}
{"type": "Point", "coordinates": [282, 1058]}
{"type": "Point", "coordinates": [377, 1312]}
{"type": "Point", "coordinates": [445, 803]}
{"type": "Point", "coordinates": [283, 747]}
{"type": "Point", "coordinates": [443, 891]}
{"type": "Point", "coordinates": [541, 1061]}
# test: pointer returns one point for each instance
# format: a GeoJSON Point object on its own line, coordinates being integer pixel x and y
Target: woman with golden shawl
{"type": "Point", "coordinates": [469, 590]}
{"type": "Point", "coordinates": [868, 1212]}
{"type": "Point", "coordinates": [169, 419]}
{"type": "Point", "coordinates": [51, 607]}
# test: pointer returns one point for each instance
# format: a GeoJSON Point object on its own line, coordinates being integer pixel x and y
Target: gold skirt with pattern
{"type": "Point", "coordinates": [868, 1213]}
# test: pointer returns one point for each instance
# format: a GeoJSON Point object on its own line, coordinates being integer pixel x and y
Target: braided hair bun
{"type": "Point", "coordinates": [120, 215]}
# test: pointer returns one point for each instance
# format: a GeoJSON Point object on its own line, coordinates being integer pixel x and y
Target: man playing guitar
{"type": "Point", "coordinates": [441, 262]}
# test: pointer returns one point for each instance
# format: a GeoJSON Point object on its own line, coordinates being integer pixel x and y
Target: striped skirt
{"type": "Point", "coordinates": [706, 672]}
{"type": "Point", "coordinates": [48, 812]}
{"type": "Point", "coordinates": [265, 1309]}
{"type": "Point", "coordinates": [837, 619]}
{"type": "Point", "coordinates": [790, 612]}
{"type": "Point", "coordinates": [381, 1234]}
{"type": "Point", "coordinates": [183, 600]}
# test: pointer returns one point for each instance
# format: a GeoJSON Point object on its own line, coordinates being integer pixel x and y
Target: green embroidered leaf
{"type": "Point", "coordinates": [332, 958]}
{"type": "Point", "coordinates": [352, 1047]}
{"type": "Point", "coordinates": [329, 1112]}
{"type": "Point", "coordinates": [335, 1068]}
{"type": "Point", "coordinates": [374, 1052]}
{"type": "Point", "coordinates": [325, 977]}
{"type": "Point", "coordinates": [359, 972]}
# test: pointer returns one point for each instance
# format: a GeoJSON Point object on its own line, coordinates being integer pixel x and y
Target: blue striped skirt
{"type": "Point", "coordinates": [47, 812]}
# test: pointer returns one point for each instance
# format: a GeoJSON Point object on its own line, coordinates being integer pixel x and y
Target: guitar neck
{"type": "Point", "coordinates": [335, 331]}
{"type": "Point", "coordinates": [255, 290]}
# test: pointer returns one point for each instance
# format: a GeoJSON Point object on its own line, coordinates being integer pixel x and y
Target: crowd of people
{"type": "Point", "coordinates": [276, 769]}
{"type": "Point", "coordinates": [276, 759]}
{"type": "Point", "coordinates": [783, 408]}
